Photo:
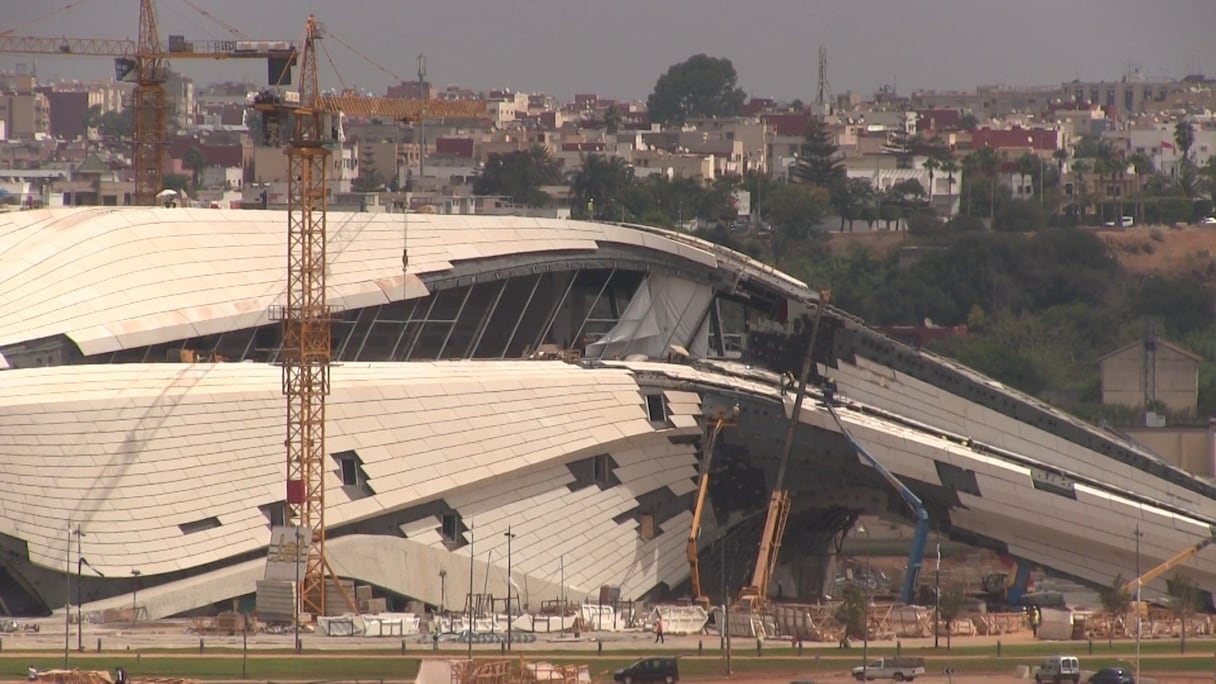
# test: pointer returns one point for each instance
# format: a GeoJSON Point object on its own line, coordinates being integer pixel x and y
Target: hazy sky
{"type": "Point", "coordinates": [618, 49]}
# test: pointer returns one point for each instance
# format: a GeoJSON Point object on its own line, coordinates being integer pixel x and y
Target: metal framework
{"type": "Point", "coordinates": [307, 321]}
{"type": "Point", "coordinates": [150, 145]}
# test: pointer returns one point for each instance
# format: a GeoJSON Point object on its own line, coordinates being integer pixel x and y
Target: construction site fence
{"type": "Point", "coordinates": [817, 622]}
{"type": "Point", "coordinates": [389, 624]}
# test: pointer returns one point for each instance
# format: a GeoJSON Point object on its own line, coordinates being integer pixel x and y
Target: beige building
{"type": "Point", "coordinates": [1190, 447]}
{"type": "Point", "coordinates": [1151, 370]}
{"type": "Point", "coordinates": [25, 116]}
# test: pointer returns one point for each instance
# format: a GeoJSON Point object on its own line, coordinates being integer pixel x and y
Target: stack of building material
{"type": "Point", "coordinates": [335, 598]}
{"type": "Point", "coordinates": [276, 600]}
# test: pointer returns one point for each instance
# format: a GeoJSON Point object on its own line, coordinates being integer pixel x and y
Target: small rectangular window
{"type": "Point", "coordinates": [656, 408]}
{"type": "Point", "coordinates": [600, 466]}
{"type": "Point", "coordinates": [276, 513]}
{"type": "Point", "coordinates": [199, 525]}
{"type": "Point", "coordinates": [451, 526]}
{"type": "Point", "coordinates": [350, 471]}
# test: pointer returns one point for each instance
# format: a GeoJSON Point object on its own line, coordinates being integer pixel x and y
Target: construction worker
{"type": "Point", "coordinates": [1035, 617]}
{"type": "Point", "coordinates": [789, 383]}
{"type": "Point", "coordinates": [33, 673]}
{"type": "Point", "coordinates": [122, 676]}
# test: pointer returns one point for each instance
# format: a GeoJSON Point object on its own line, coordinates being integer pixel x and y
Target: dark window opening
{"type": "Point", "coordinates": [450, 526]}
{"type": "Point", "coordinates": [656, 408]}
{"type": "Point", "coordinates": [199, 525]}
{"type": "Point", "coordinates": [276, 513]}
{"type": "Point", "coordinates": [600, 468]}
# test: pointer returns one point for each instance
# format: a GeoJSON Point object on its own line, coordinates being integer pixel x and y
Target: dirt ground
{"type": "Point", "coordinates": [1165, 250]}
{"type": "Point", "coordinates": [1142, 249]}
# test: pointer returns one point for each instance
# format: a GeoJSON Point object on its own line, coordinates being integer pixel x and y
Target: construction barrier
{"type": "Point", "coordinates": [386, 624]}
{"type": "Point", "coordinates": [680, 619]}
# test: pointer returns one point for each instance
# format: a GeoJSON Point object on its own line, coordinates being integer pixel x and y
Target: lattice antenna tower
{"type": "Point", "coordinates": [824, 94]}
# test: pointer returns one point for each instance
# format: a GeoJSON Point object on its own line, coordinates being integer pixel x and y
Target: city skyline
{"type": "Point", "coordinates": [618, 53]}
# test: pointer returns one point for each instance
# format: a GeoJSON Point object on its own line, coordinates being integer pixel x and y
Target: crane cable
{"type": "Point", "coordinates": [228, 27]}
{"type": "Point", "coordinates": [37, 19]}
{"type": "Point", "coordinates": [364, 57]}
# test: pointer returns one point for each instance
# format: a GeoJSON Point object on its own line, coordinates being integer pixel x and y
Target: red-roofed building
{"type": "Point", "coordinates": [787, 123]}
{"type": "Point", "coordinates": [938, 120]}
{"type": "Point", "coordinates": [454, 147]}
{"type": "Point", "coordinates": [227, 156]}
{"type": "Point", "coordinates": [1041, 141]}
{"type": "Point", "coordinates": [757, 105]}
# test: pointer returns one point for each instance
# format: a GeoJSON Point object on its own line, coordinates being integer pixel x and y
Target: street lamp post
{"type": "Point", "coordinates": [67, 597]}
{"type": "Point", "coordinates": [469, 607]}
{"type": "Point", "coordinates": [299, 597]}
{"type": "Point", "coordinates": [937, 589]}
{"type": "Point", "coordinates": [509, 537]}
{"type": "Point", "coordinates": [134, 593]}
{"type": "Point", "coordinates": [1139, 584]}
{"type": "Point", "coordinates": [443, 590]}
{"type": "Point", "coordinates": [865, 625]}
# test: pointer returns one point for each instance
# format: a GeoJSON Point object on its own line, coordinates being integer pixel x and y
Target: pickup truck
{"type": "Point", "coordinates": [899, 669]}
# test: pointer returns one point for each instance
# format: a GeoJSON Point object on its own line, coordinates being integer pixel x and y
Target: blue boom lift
{"type": "Point", "coordinates": [921, 536]}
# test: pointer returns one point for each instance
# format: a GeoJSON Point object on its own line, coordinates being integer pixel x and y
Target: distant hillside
{"type": "Point", "coordinates": [1173, 251]}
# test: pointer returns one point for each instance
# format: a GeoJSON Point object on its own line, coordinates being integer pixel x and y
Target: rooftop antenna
{"type": "Point", "coordinates": [824, 94]}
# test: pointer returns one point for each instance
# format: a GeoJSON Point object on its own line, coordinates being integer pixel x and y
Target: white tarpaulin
{"type": "Point", "coordinates": [664, 311]}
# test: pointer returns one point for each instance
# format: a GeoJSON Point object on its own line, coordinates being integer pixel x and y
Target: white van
{"type": "Point", "coordinates": [1058, 669]}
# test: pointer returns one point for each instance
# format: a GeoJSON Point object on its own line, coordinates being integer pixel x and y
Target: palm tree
{"type": "Point", "coordinates": [989, 164]}
{"type": "Point", "coordinates": [951, 167]}
{"type": "Point", "coordinates": [1061, 157]}
{"type": "Point", "coordinates": [1080, 167]}
{"type": "Point", "coordinates": [1029, 165]}
{"type": "Point", "coordinates": [597, 188]}
{"type": "Point", "coordinates": [931, 164]}
{"type": "Point", "coordinates": [193, 159]}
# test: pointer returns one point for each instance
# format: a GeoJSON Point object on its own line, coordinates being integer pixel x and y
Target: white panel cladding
{"type": "Point", "coordinates": [1088, 534]}
{"type": "Point", "coordinates": [879, 386]}
{"type": "Point", "coordinates": [595, 550]}
{"type": "Point", "coordinates": [133, 451]}
{"type": "Point", "coordinates": [117, 277]}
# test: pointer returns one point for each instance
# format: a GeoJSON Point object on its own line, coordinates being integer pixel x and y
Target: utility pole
{"type": "Point", "coordinates": [443, 590]}
{"type": "Point", "coordinates": [937, 589]}
{"type": "Point", "coordinates": [134, 593]}
{"type": "Point", "coordinates": [299, 594]}
{"type": "Point", "coordinates": [509, 537]}
{"type": "Point", "coordinates": [1139, 584]}
{"type": "Point", "coordinates": [79, 599]}
{"type": "Point", "coordinates": [469, 607]}
{"type": "Point", "coordinates": [725, 603]}
{"type": "Point", "coordinates": [421, 120]}
{"type": "Point", "coordinates": [67, 597]}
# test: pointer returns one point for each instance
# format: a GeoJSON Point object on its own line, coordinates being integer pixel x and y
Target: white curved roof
{"type": "Point", "coordinates": [112, 278]}
{"type": "Point", "coordinates": [132, 451]}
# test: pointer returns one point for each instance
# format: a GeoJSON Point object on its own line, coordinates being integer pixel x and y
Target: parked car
{"type": "Point", "coordinates": [1058, 669]}
{"type": "Point", "coordinates": [899, 669]}
{"type": "Point", "coordinates": [650, 671]}
{"type": "Point", "coordinates": [1208, 220]}
{"type": "Point", "coordinates": [1112, 675]}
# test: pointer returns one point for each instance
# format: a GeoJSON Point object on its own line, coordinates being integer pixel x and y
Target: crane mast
{"type": "Point", "coordinates": [146, 63]}
{"type": "Point", "coordinates": [306, 320]}
{"type": "Point", "coordinates": [150, 147]}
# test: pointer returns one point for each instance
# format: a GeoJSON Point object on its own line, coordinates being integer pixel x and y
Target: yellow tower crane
{"type": "Point", "coordinates": [306, 316]}
{"type": "Point", "coordinates": [145, 62]}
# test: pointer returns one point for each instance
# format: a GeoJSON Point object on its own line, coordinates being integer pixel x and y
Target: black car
{"type": "Point", "coordinates": [1112, 675]}
{"type": "Point", "coordinates": [650, 671]}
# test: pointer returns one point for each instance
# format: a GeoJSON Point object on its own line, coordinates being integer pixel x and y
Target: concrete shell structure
{"type": "Point", "coordinates": [142, 403]}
